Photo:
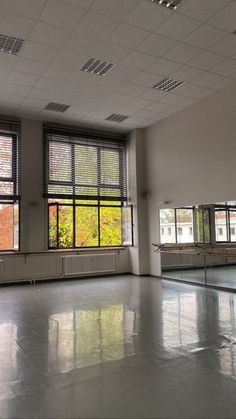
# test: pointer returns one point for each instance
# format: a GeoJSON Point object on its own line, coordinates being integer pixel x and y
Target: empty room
{"type": "Point", "coordinates": [117, 209]}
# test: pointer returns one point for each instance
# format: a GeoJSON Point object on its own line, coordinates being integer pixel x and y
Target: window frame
{"type": "Point", "coordinates": [74, 205]}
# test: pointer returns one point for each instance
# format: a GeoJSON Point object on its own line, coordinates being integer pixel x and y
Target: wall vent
{"type": "Point", "coordinates": [10, 45]}
{"type": "Point", "coordinates": [116, 117]}
{"type": "Point", "coordinates": [56, 107]}
{"type": "Point", "coordinates": [168, 85]}
{"type": "Point", "coordinates": [98, 67]}
{"type": "Point", "coordinates": [171, 4]}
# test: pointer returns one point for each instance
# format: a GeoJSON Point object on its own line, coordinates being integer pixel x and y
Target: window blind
{"type": "Point", "coordinates": [9, 159]}
{"type": "Point", "coordinates": [84, 166]}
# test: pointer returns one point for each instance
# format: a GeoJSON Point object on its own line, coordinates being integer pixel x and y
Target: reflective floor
{"type": "Point", "coordinates": [121, 347]}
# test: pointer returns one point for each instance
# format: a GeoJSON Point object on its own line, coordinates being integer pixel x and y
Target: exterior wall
{"type": "Point", "coordinates": [6, 223]}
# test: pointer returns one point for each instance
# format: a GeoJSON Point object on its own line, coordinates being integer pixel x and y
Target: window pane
{"type": "Point", "coordinates": [202, 225]}
{"type": "Point", "coordinates": [60, 165]}
{"type": "Point", "coordinates": [52, 213]}
{"type": "Point", "coordinates": [126, 226]}
{"type": "Point", "coordinates": [6, 227]}
{"type": "Point", "coordinates": [167, 225]}
{"type": "Point", "coordinates": [232, 215]}
{"type": "Point", "coordinates": [184, 219]}
{"type": "Point", "coordinates": [110, 226]}
{"type": "Point", "coordinates": [6, 156]}
{"type": "Point", "coordinates": [16, 226]}
{"type": "Point", "coordinates": [86, 226]}
{"type": "Point", "coordinates": [110, 167]}
{"type": "Point", "coordinates": [65, 226]}
{"type": "Point", "coordinates": [221, 226]}
{"type": "Point", "coordinates": [86, 165]}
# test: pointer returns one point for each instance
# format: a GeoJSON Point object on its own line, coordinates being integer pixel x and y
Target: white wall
{"type": "Point", "coordinates": [139, 253]}
{"type": "Point", "coordinates": [191, 159]}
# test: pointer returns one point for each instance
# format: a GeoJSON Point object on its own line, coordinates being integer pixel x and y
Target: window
{"type": "Point", "coordinates": [220, 231]}
{"type": "Point", "coordinates": [169, 231]}
{"type": "Point", "coordinates": [221, 225]}
{"type": "Point", "coordinates": [190, 231]}
{"type": "Point", "coordinates": [86, 186]}
{"type": "Point", "coordinates": [180, 231]}
{"type": "Point", "coordinates": [232, 231]}
{"type": "Point", "coordinates": [162, 231]}
{"type": "Point", "coordinates": [9, 184]}
{"type": "Point", "coordinates": [167, 218]}
{"type": "Point", "coordinates": [184, 222]}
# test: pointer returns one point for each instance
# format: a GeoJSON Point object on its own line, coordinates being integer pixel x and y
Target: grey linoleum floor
{"type": "Point", "coordinates": [121, 347]}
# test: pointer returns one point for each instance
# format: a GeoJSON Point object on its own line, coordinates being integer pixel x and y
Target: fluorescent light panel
{"type": "Point", "coordinates": [116, 117]}
{"type": "Point", "coordinates": [98, 67]}
{"type": "Point", "coordinates": [10, 44]}
{"type": "Point", "coordinates": [168, 85]}
{"type": "Point", "coordinates": [56, 107]}
{"type": "Point", "coordinates": [171, 4]}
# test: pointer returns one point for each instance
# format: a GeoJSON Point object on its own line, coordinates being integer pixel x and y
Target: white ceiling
{"type": "Point", "coordinates": [144, 40]}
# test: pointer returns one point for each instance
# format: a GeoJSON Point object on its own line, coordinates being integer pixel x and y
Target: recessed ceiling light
{"type": "Point", "coordinates": [10, 44]}
{"type": "Point", "coordinates": [168, 84]}
{"type": "Point", "coordinates": [171, 4]}
{"type": "Point", "coordinates": [56, 107]}
{"type": "Point", "coordinates": [116, 117]}
{"type": "Point", "coordinates": [98, 67]}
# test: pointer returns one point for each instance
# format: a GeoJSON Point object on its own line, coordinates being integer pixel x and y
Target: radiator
{"type": "Point", "coordinates": [89, 264]}
{"type": "Point", "coordinates": [31, 267]}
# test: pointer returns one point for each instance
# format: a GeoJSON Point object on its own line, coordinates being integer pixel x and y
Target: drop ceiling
{"type": "Point", "coordinates": [146, 43]}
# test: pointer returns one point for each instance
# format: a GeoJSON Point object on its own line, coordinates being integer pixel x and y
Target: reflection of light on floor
{"type": "Point", "coordinates": [180, 321]}
{"type": "Point", "coordinates": [8, 348]}
{"type": "Point", "coordinates": [82, 338]}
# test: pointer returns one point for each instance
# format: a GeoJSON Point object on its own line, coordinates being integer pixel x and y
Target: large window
{"type": "Point", "coordinates": [85, 183]}
{"type": "Point", "coordinates": [9, 184]}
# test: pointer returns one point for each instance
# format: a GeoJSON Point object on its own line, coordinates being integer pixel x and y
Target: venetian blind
{"type": "Point", "coordinates": [81, 165]}
{"type": "Point", "coordinates": [9, 159]}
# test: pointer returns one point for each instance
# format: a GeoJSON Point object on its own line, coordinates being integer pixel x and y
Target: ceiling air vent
{"type": "Point", "coordinates": [56, 107]}
{"type": "Point", "coordinates": [10, 45]}
{"type": "Point", "coordinates": [168, 85]}
{"type": "Point", "coordinates": [116, 117]}
{"type": "Point", "coordinates": [98, 67]}
{"type": "Point", "coordinates": [171, 4]}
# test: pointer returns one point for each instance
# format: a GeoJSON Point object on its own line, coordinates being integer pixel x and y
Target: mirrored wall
{"type": "Point", "coordinates": [198, 244]}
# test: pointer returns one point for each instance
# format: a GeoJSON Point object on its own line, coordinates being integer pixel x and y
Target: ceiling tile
{"type": "Point", "coordinates": [30, 66]}
{"type": "Point", "coordinates": [85, 4]}
{"type": "Point", "coordinates": [188, 90]}
{"type": "Point", "coordinates": [121, 72]}
{"type": "Point", "coordinates": [186, 73]}
{"type": "Point", "coordinates": [222, 84]}
{"type": "Point", "coordinates": [182, 53]}
{"type": "Point", "coordinates": [113, 8]}
{"type": "Point", "coordinates": [156, 44]}
{"type": "Point", "coordinates": [36, 51]}
{"type": "Point", "coordinates": [202, 9]}
{"type": "Point", "coordinates": [11, 98]}
{"type": "Point", "coordinates": [121, 99]}
{"type": "Point", "coordinates": [178, 26]}
{"type": "Point", "coordinates": [15, 25]}
{"type": "Point", "coordinates": [128, 36]}
{"type": "Point", "coordinates": [97, 25]}
{"type": "Point", "coordinates": [96, 48]}
{"type": "Point", "coordinates": [49, 35]}
{"type": "Point", "coordinates": [146, 79]}
{"type": "Point", "coordinates": [162, 66]}
{"type": "Point", "coordinates": [226, 18]}
{"type": "Point", "coordinates": [153, 94]}
{"type": "Point", "coordinates": [206, 60]}
{"type": "Point", "coordinates": [15, 89]}
{"type": "Point", "coordinates": [138, 60]}
{"type": "Point", "coordinates": [127, 110]}
{"type": "Point", "coordinates": [207, 79]}
{"type": "Point", "coordinates": [158, 107]}
{"type": "Point", "coordinates": [131, 89]}
{"type": "Point", "coordinates": [22, 78]}
{"type": "Point", "coordinates": [144, 114]}
{"type": "Point", "coordinates": [140, 103]}
{"type": "Point", "coordinates": [148, 15]}
{"type": "Point", "coordinates": [225, 68]}
{"type": "Point", "coordinates": [226, 46]}
{"type": "Point", "coordinates": [27, 8]}
{"type": "Point", "coordinates": [60, 14]}
{"type": "Point", "coordinates": [34, 103]}
{"type": "Point", "coordinates": [205, 36]}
